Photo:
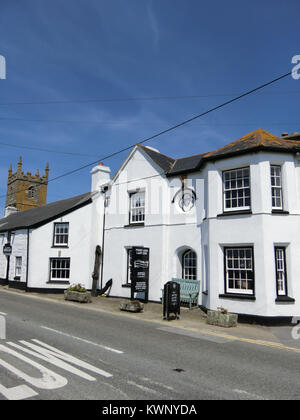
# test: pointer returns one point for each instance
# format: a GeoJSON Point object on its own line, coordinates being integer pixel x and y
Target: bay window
{"type": "Point", "coordinates": [236, 187]}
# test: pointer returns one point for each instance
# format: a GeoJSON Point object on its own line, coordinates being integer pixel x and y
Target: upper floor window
{"type": "Point", "coordinates": [276, 187]}
{"type": "Point", "coordinates": [61, 234]}
{"type": "Point", "coordinates": [236, 184]}
{"type": "Point", "coordinates": [30, 192]}
{"type": "Point", "coordinates": [137, 207]}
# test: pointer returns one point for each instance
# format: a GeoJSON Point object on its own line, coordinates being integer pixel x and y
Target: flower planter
{"type": "Point", "coordinates": [222, 320]}
{"type": "Point", "coordinates": [82, 297]}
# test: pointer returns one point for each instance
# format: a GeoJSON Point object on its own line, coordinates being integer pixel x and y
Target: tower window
{"type": "Point", "coordinates": [30, 193]}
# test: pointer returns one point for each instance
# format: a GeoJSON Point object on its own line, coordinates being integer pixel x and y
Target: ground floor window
{"type": "Point", "coordinates": [189, 265]}
{"type": "Point", "coordinates": [59, 269]}
{"type": "Point", "coordinates": [239, 270]}
{"type": "Point", "coordinates": [280, 265]}
{"type": "Point", "coordinates": [129, 265]}
{"type": "Point", "coordinates": [18, 267]}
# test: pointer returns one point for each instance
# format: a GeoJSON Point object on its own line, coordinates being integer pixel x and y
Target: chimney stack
{"type": "Point", "coordinates": [100, 175]}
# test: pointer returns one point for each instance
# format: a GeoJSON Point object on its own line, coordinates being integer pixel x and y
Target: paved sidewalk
{"type": "Point", "coordinates": [191, 321]}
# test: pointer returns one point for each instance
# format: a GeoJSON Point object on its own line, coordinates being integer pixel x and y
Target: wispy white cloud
{"type": "Point", "coordinates": [154, 25]}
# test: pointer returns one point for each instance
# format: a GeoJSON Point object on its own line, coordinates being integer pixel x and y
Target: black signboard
{"type": "Point", "coordinates": [140, 272]}
{"type": "Point", "coordinates": [7, 249]}
{"type": "Point", "coordinates": [171, 301]}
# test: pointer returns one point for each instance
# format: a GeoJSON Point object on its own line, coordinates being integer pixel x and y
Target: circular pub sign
{"type": "Point", "coordinates": [7, 249]}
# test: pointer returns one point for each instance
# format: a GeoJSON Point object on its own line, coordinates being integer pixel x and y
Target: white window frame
{"type": "Point", "coordinates": [276, 185]}
{"type": "Point", "coordinates": [59, 234]}
{"type": "Point", "coordinates": [280, 269]}
{"type": "Point", "coordinates": [234, 185]}
{"type": "Point", "coordinates": [18, 266]}
{"type": "Point", "coordinates": [63, 266]}
{"type": "Point", "coordinates": [239, 267]}
{"type": "Point", "coordinates": [129, 265]}
{"type": "Point", "coordinates": [189, 265]}
{"type": "Point", "coordinates": [137, 207]}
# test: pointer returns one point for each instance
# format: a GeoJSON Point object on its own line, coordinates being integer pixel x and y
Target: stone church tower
{"type": "Point", "coordinates": [25, 191]}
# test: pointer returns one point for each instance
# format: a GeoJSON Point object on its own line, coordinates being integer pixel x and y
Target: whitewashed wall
{"type": "Point", "coordinates": [41, 250]}
{"type": "Point", "coordinates": [262, 230]}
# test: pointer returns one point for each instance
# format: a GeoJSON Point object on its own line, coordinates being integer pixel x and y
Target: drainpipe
{"type": "Point", "coordinates": [27, 260]}
{"type": "Point", "coordinates": [103, 235]}
{"type": "Point", "coordinates": [8, 257]}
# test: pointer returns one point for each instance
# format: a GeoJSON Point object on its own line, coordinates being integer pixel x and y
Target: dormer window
{"type": "Point", "coordinates": [137, 207]}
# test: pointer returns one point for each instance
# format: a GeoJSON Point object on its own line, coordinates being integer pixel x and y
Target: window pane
{"type": "Point", "coordinates": [276, 187]}
{"type": "Point", "coordinates": [60, 269]}
{"type": "Point", "coordinates": [189, 265]}
{"type": "Point", "coordinates": [280, 271]}
{"type": "Point", "coordinates": [236, 189]}
{"type": "Point", "coordinates": [239, 270]}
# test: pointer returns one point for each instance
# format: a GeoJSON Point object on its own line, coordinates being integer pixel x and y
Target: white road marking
{"type": "Point", "coordinates": [143, 388]}
{"type": "Point", "coordinates": [53, 355]}
{"type": "Point", "coordinates": [2, 326]}
{"type": "Point", "coordinates": [253, 396]}
{"type": "Point", "coordinates": [49, 379]}
{"type": "Point", "coordinates": [83, 340]}
{"type": "Point", "coordinates": [21, 392]}
{"type": "Point", "coordinates": [169, 388]}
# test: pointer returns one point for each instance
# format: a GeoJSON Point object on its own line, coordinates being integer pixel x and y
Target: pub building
{"type": "Point", "coordinates": [227, 220]}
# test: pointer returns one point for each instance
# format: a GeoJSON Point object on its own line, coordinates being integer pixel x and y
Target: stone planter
{"type": "Point", "coordinates": [131, 306]}
{"type": "Point", "coordinates": [221, 320]}
{"type": "Point", "coordinates": [82, 297]}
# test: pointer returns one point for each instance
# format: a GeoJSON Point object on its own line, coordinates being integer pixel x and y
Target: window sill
{"type": "Point", "coordinates": [57, 282]}
{"type": "Point", "coordinates": [234, 213]}
{"type": "Point", "coordinates": [128, 286]}
{"type": "Point", "coordinates": [280, 212]}
{"type": "Point", "coordinates": [237, 296]}
{"type": "Point", "coordinates": [288, 299]}
{"type": "Point", "coordinates": [135, 225]}
{"type": "Point", "coordinates": [60, 246]}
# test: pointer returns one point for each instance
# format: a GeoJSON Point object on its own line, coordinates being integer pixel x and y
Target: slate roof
{"type": "Point", "coordinates": [163, 161]}
{"type": "Point", "coordinates": [41, 215]}
{"type": "Point", "coordinates": [258, 140]}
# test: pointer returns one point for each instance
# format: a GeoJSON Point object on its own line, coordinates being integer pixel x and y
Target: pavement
{"type": "Point", "coordinates": [190, 320]}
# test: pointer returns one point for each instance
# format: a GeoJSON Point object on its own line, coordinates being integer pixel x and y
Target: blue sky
{"type": "Point", "coordinates": [80, 50]}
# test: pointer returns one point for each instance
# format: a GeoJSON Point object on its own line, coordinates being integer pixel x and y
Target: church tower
{"type": "Point", "coordinates": [25, 191]}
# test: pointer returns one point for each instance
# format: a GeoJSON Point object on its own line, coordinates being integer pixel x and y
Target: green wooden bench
{"type": "Point", "coordinates": [189, 291]}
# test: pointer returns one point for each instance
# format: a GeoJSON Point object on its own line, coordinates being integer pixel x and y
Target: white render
{"type": "Point", "coordinates": [168, 232]}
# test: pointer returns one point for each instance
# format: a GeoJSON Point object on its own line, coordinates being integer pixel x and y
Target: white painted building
{"type": "Point", "coordinates": [229, 218]}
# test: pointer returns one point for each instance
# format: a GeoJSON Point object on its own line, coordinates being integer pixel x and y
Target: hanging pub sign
{"type": "Point", "coordinates": [7, 249]}
{"type": "Point", "coordinates": [140, 273]}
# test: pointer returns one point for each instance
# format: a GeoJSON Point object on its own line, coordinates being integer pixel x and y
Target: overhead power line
{"type": "Point", "coordinates": [181, 124]}
{"type": "Point", "coordinates": [140, 99]}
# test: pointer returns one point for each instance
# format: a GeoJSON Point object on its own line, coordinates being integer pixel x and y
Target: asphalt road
{"type": "Point", "coordinates": [122, 359]}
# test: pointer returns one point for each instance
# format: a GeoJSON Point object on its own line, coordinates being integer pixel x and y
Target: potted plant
{"type": "Point", "coordinates": [78, 293]}
{"type": "Point", "coordinates": [222, 318]}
